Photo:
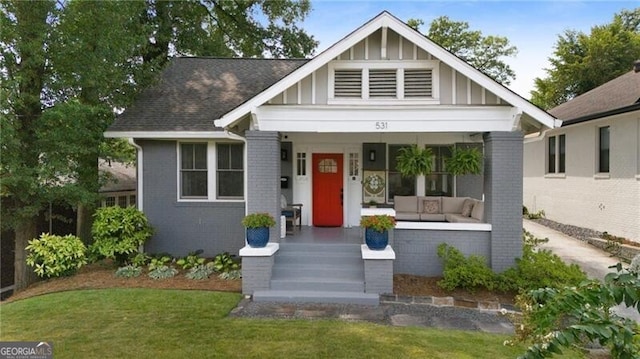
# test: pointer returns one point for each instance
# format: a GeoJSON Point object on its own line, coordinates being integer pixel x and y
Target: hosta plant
{"type": "Point", "coordinates": [128, 271]}
{"type": "Point", "coordinates": [191, 260]}
{"type": "Point", "coordinates": [55, 256]}
{"type": "Point", "coordinates": [200, 272]}
{"type": "Point", "coordinates": [231, 275]}
{"type": "Point", "coordinates": [162, 272]}
{"type": "Point", "coordinates": [224, 262]}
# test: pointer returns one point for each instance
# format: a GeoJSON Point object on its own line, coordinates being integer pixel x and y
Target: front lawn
{"type": "Point", "coordinates": [152, 323]}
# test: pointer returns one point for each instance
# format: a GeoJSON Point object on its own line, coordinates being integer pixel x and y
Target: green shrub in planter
{"type": "Point", "coordinates": [258, 220]}
{"type": "Point", "coordinates": [414, 161]}
{"type": "Point", "coordinates": [55, 256]}
{"type": "Point", "coordinates": [118, 232]}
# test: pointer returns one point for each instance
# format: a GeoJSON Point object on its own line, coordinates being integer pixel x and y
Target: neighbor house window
{"type": "Point", "coordinates": [556, 153]}
{"type": "Point", "coordinates": [398, 184]}
{"type": "Point", "coordinates": [439, 182]}
{"type": "Point", "coordinates": [603, 149]}
{"type": "Point", "coordinates": [211, 171]}
{"type": "Point", "coordinates": [230, 170]}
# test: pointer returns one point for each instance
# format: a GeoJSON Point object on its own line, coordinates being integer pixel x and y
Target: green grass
{"type": "Point", "coordinates": [148, 323]}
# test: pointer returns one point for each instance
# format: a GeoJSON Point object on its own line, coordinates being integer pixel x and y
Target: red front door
{"type": "Point", "coordinates": [327, 189]}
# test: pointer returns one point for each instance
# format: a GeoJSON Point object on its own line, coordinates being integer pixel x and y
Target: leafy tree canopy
{"type": "Point", "coordinates": [583, 61]}
{"type": "Point", "coordinates": [485, 53]}
{"type": "Point", "coordinates": [68, 66]}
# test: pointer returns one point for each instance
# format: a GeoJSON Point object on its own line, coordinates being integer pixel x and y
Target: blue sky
{"type": "Point", "coordinates": [532, 26]}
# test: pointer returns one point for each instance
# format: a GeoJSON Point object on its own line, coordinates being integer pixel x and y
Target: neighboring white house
{"type": "Point", "coordinates": [587, 172]}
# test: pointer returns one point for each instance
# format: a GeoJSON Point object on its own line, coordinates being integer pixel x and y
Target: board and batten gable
{"type": "Point", "coordinates": [453, 88]}
{"type": "Point", "coordinates": [582, 196]}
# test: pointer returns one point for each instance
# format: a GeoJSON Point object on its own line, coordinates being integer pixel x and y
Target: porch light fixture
{"type": "Point", "coordinates": [372, 155]}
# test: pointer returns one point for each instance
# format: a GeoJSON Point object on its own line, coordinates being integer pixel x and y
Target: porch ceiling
{"type": "Point", "coordinates": [385, 119]}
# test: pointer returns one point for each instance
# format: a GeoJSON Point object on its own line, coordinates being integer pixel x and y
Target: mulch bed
{"type": "Point", "coordinates": [101, 275]}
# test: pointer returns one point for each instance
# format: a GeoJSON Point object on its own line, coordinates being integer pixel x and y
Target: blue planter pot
{"type": "Point", "coordinates": [258, 237]}
{"type": "Point", "coordinates": [375, 240]}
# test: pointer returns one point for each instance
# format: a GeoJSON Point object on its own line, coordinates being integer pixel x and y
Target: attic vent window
{"type": "Point", "coordinates": [418, 83]}
{"type": "Point", "coordinates": [382, 83]}
{"type": "Point", "coordinates": [348, 83]}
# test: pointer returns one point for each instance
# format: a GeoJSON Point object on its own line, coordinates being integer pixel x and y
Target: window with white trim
{"type": "Point", "coordinates": [556, 154]}
{"type": "Point", "coordinates": [230, 169]}
{"type": "Point", "coordinates": [354, 164]}
{"type": "Point", "coordinates": [193, 170]}
{"type": "Point", "coordinates": [210, 171]}
{"type": "Point", "coordinates": [439, 182]}
{"type": "Point", "coordinates": [301, 162]}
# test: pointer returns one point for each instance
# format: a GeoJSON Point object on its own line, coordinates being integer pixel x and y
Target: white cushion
{"type": "Point", "coordinates": [478, 211]}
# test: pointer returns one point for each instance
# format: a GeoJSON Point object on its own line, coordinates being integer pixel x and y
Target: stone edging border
{"type": "Point", "coordinates": [448, 302]}
{"type": "Point", "coordinates": [622, 251]}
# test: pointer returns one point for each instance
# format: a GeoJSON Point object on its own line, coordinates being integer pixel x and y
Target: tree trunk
{"type": "Point", "coordinates": [23, 274]}
{"type": "Point", "coordinates": [84, 223]}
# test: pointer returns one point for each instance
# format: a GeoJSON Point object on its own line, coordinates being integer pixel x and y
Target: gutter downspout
{"type": "Point", "coordinates": [244, 140]}
{"type": "Point", "coordinates": [139, 179]}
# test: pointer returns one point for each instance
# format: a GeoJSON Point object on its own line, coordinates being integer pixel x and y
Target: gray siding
{"type": "Point", "coordinates": [416, 250]}
{"type": "Point", "coordinates": [503, 196]}
{"type": "Point", "coordinates": [182, 227]}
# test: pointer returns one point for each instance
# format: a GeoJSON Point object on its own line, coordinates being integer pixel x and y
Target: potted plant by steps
{"type": "Point", "coordinates": [464, 161]}
{"type": "Point", "coordinates": [257, 225]}
{"type": "Point", "coordinates": [376, 230]}
{"type": "Point", "coordinates": [414, 161]}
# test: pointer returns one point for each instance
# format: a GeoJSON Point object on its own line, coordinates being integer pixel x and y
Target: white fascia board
{"type": "Point", "coordinates": [169, 134]}
{"type": "Point", "coordinates": [305, 70]}
{"type": "Point", "coordinates": [385, 119]}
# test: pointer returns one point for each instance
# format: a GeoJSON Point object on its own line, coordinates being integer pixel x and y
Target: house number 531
{"type": "Point", "coordinates": [382, 125]}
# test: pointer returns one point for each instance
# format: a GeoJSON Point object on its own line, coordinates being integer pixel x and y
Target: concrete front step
{"type": "Point", "coordinates": [319, 284]}
{"type": "Point", "coordinates": [315, 248]}
{"type": "Point", "coordinates": [308, 258]}
{"type": "Point", "coordinates": [347, 271]}
{"type": "Point", "coordinates": [307, 296]}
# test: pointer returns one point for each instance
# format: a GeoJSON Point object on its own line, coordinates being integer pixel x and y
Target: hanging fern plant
{"type": "Point", "coordinates": [464, 161]}
{"type": "Point", "coordinates": [414, 161]}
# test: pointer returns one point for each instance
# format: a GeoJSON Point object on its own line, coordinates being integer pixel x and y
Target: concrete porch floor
{"type": "Point", "coordinates": [325, 235]}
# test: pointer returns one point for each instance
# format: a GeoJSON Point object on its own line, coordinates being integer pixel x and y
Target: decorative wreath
{"type": "Point", "coordinates": [374, 184]}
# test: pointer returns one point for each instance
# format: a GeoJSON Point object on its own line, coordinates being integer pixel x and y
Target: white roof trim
{"type": "Point", "coordinates": [170, 134]}
{"type": "Point", "coordinates": [385, 19]}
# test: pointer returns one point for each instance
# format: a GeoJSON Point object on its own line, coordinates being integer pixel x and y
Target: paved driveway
{"type": "Point", "coordinates": [593, 261]}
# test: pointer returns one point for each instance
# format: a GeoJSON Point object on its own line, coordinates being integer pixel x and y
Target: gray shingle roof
{"type": "Point", "coordinates": [621, 92]}
{"type": "Point", "coordinates": [194, 91]}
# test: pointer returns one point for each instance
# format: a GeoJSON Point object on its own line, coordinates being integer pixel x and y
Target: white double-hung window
{"type": "Point", "coordinates": [210, 171]}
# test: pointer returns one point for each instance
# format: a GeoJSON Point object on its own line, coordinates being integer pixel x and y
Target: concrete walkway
{"type": "Point", "coordinates": [593, 261]}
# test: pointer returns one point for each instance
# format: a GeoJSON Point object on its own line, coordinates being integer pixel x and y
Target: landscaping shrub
{"type": "Point", "coordinates": [230, 275]}
{"type": "Point", "coordinates": [554, 319]}
{"type": "Point", "coordinates": [118, 232]}
{"type": "Point", "coordinates": [191, 260]}
{"type": "Point", "coordinates": [55, 256]}
{"type": "Point", "coordinates": [158, 268]}
{"type": "Point", "coordinates": [224, 262]}
{"type": "Point", "coordinates": [539, 269]}
{"type": "Point", "coordinates": [201, 271]}
{"type": "Point", "coordinates": [129, 271]}
{"type": "Point", "coordinates": [461, 272]}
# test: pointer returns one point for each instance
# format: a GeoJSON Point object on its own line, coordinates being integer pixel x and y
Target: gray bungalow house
{"type": "Point", "coordinates": [220, 138]}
